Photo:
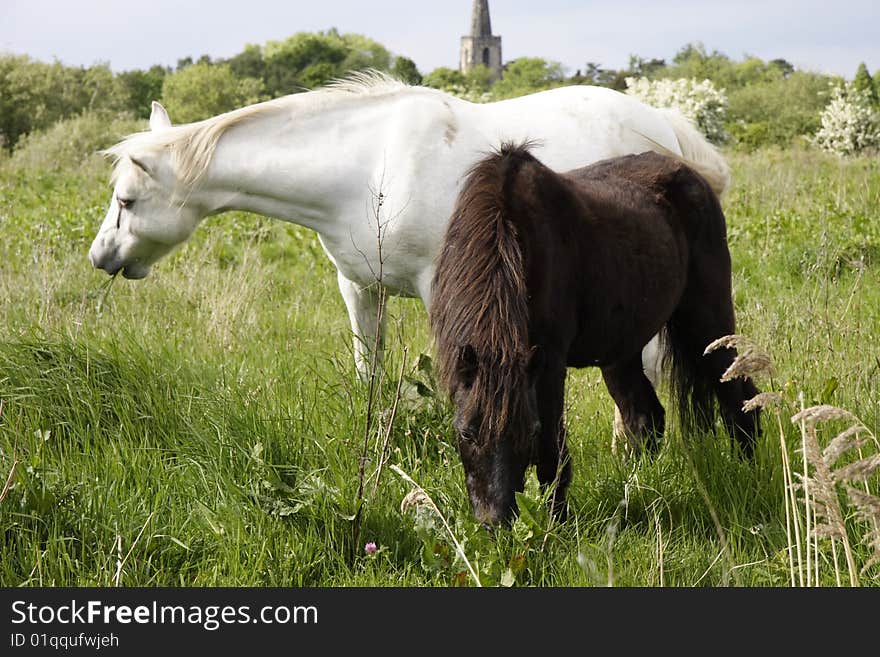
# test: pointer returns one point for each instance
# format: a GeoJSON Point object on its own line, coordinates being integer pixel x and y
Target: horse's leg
{"type": "Point", "coordinates": [642, 415]}
{"type": "Point", "coordinates": [705, 314]}
{"type": "Point", "coordinates": [741, 426]}
{"type": "Point", "coordinates": [366, 324]}
{"type": "Point", "coordinates": [652, 356]}
{"type": "Point", "coordinates": [553, 465]}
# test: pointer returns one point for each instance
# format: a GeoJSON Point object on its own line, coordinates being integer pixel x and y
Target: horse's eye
{"type": "Point", "coordinates": [125, 202]}
{"type": "Point", "coordinates": [466, 435]}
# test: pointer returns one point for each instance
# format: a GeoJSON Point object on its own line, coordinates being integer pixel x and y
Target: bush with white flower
{"type": "Point", "coordinates": [703, 104]}
{"type": "Point", "coordinates": [850, 124]}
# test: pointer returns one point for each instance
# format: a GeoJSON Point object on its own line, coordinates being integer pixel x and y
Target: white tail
{"type": "Point", "coordinates": [696, 151]}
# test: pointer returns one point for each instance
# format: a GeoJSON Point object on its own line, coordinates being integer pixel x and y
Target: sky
{"type": "Point", "coordinates": [816, 35]}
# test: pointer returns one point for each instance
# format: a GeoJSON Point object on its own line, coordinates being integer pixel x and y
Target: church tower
{"type": "Point", "coordinates": [480, 47]}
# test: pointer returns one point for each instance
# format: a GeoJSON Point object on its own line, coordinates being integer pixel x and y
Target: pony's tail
{"type": "Point", "coordinates": [696, 151]}
{"type": "Point", "coordinates": [693, 393]}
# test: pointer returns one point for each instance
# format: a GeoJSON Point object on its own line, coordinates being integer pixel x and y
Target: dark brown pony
{"type": "Point", "coordinates": [540, 271]}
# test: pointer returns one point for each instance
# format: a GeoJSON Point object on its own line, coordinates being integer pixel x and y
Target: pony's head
{"type": "Point", "coordinates": [479, 316]}
{"type": "Point", "coordinates": [147, 216]}
{"type": "Point", "coordinates": [497, 426]}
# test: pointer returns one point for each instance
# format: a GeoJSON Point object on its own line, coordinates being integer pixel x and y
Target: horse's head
{"type": "Point", "coordinates": [497, 423]}
{"type": "Point", "coordinates": [146, 218]}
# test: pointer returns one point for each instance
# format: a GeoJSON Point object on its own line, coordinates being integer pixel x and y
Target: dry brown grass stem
{"type": "Point", "coordinates": [821, 413]}
{"type": "Point", "coordinates": [792, 518]}
{"type": "Point", "coordinates": [861, 470]}
{"type": "Point", "coordinates": [389, 426]}
{"type": "Point", "coordinates": [868, 511]}
{"type": "Point", "coordinates": [843, 442]}
{"type": "Point", "coordinates": [660, 546]}
{"type": "Point", "coordinates": [9, 479]}
{"type": "Point", "coordinates": [120, 561]}
{"type": "Point", "coordinates": [821, 487]}
{"type": "Point", "coordinates": [805, 485]}
{"type": "Point", "coordinates": [750, 361]}
{"type": "Point", "coordinates": [828, 516]}
{"type": "Point", "coordinates": [762, 400]}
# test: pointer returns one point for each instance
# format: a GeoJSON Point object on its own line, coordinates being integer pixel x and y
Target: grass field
{"type": "Point", "coordinates": [204, 426]}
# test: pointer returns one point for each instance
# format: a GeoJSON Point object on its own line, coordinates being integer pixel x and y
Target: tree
{"type": "Point", "coordinates": [694, 61]}
{"type": "Point", "coordinates": [34, 95]}
{"type": "Point", "coordinates": [785, 67]}
{"type": "Point", "coordinates": [405, 69]}
{"type": "Point", "coordinates": [864, 83]}
{"type": "Point", "coordinates": [527, 75]}
{"type": "Point", "coordinates": [473, 85]}
{"type": "Point", "coordinates": [778, 111]}
{"type": "Point", "coordinates": [308, 60]}
{"type": "Point", "coordinates": [645, 68]}
{"type": "Point", "coordinates": [850, 124]}
{"type": "Point", "coordinates": [444, 78]}
{"type": "Point", "coordinates": [203, 90]}
{"type": "Point", "coordinates": [141, 88]}
{"type": "Point", "coordinates": [248, 63]}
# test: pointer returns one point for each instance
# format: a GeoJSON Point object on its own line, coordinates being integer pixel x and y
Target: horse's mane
{"type": "Point", "coordinates": [192, 145]}
{"type": "Point", "coordinates": [479, 300]}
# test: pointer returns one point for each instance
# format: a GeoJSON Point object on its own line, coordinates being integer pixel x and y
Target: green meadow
{"type": "Point", "coordinates": [205, 426]}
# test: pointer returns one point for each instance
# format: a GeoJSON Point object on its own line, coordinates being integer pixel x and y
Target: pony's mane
{"type": "Point", "coordinates": [479, 300]}
{"type": "Point", "coordinates": [192, 145]}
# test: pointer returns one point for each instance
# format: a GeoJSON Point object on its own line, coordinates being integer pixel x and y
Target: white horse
{"type": "Point", "coordinates": [372, 165]}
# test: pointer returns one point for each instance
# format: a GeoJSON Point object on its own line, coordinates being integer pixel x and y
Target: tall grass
{"type": "Point", "coordinates": [205, 426]}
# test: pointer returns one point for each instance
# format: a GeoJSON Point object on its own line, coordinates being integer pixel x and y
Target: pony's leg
{"type": "Point", "coordinates": [741, 426]}
{"type": "Point", "coordinates": [705, 314]}
{"type": "Point", "coordinates": [652, 356]}
{"type": "Point", "coordinates": [366, 324]}
{"type": "Point", "coordinates": [642, 415]}
{"type": "Point", "coordinates": [553, 465]}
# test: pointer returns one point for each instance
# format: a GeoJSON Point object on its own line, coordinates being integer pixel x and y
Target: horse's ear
{"type": "Point", "coordinates": [159, 119]}
{"type": "Point", "coordinates": [466, 365]}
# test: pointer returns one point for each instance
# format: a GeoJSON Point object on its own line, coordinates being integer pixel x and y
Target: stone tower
{"type": "Point", "coordinates": [480, 47]}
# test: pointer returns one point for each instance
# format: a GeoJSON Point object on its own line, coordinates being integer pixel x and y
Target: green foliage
{"type": "Point", "coordinates": [73, 143]}
{"type": "Point", "coordinates": [864, 83]}
{"type": "Point", "coordinates": [694, 61]}
{"type": "Point", "coordinates": [202, 90]}
{"type": "Point", "coordinates": [34, 95]}
{"type": "Point", "coordinates": [645, 68]}
{"type": "Point", "coordinates": [474, 85]}
{"type": "Point", "coordinates": [405, 69]}
{"type": "Point", "coordinates": [248, 63]}
{"type": "Point", "coordinates": [443, 77]}
{"type": "Point", "coordinates": [141, 88]}
{"type": "Point", "coordinates": [310, 59]}
{"type": "Point", "coordinates": [768, 102]}
{"type": "Point", "coordinates": [778, 111]}
{"type": "Point", "coordinates": [527, 75]}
